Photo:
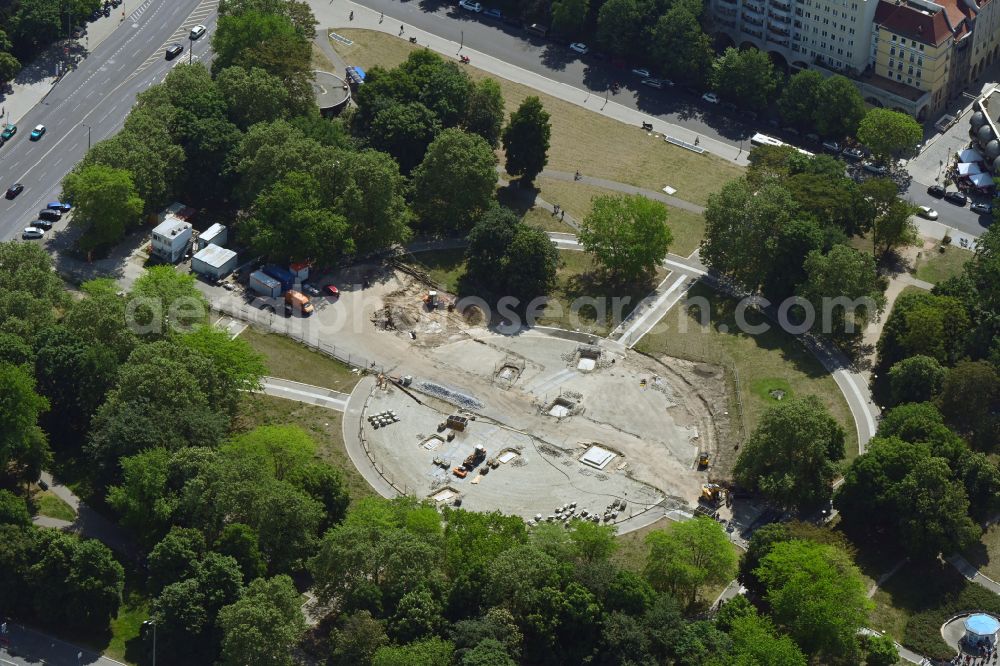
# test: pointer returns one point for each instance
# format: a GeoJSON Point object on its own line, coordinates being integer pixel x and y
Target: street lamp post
{"type": "Point", "coordinates": [152, 623]}
{"type": "Point", "coordinates": [88, 134]}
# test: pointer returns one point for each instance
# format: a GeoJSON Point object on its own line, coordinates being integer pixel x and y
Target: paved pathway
{"type": "Point", "coordinates": [27, 647]}
{"type": "Point", "coordinates": [88, 524]}
{"type": "Point", "coordinates": [353, 415]}
{"type": "Point", "coordinates": [904, 653]}
{"type": "Point", "coordinates": [972, 574]}
{"type": "Point", "coordinates": [314, 395]}
{"type": "Point", "coordinates": [622, 187]}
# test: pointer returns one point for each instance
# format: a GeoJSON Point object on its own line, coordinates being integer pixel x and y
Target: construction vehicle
{"type": "Point", "coordinates": [299, 301]}
{"type": "Point", "coordinates": [460, 472]}
{"type": "Point", "coordinates": [477, 456]}
{"type": "Point", "coordinates": [702, 460]}
{"type": "Point", "coordinates": [456, 422]}
{"type": "Point", "coordinates": [712, 493]}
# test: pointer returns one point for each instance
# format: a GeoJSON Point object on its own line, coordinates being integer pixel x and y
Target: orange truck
{"type": "Point", "coordinates": [299, 301]}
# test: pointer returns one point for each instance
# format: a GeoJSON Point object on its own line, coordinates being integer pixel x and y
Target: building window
{"type": "Point", "coordinates": [910, 71]}
{"type": "Point", "coordinates": [918, 73]}
{"type": "Point", "coordinates": [920, 61]}
{"type": "Point", "coordinates": [909, 81]}
{"type": "Point", "coordinates": [892, 63]}
{"type": "Point", "coordinates": [850, 42]}
{"type": "Point", "coordinates": [899, 67]}
{"type": "Point", "coordinates": [892, 51]}
{"type": "Point", "coordinates": [894, 38]}
{"type": "Point", "coordinates": [921, 47]}
{"type": "Point", "coordinates": [824, 33]}
{"type": "Point", "coordinates": [912, 58]}
{"type": "Point", "coordinates": [913, 43]}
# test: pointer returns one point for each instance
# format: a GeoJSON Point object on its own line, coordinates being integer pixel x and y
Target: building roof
{"type": "Point", "coordinates": [918, 23]}
{"type": "Point", "coordinates": [215, 256]}
{"type": "Point", "coordinates": [213, 231]}
{"type": "Point", "coordinates": [171, 226]}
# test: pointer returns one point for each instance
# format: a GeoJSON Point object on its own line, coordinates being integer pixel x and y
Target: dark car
{"type": "Point", "coordinates": [50, 214]}
{"type": "Point", "coordinates": [957, 198]}
{"type": "Point", "coordinates": [310, 289]}
{"type": "Point", "coordinates": [831, 147]}
{"type": "Point", "coordinates": [982, 208]}
{"type": "Point", "coordinates": [14, 190]}
{"type": "Point", "coordinates": [61, 206]}
{"type": "Point", "coordinates": [174, 50]}
{"type": "Point", "coordinates": [492, 13]}
{"type": "Point", "coordinates": [936, 191]}
{"type": "Point", "coordinates": [853, 153]}
{"type": "Point", "coordinates": [40, 224]}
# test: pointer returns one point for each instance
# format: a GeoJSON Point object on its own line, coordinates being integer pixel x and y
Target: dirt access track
{"type": "Point", "coordinates": [544, 397]}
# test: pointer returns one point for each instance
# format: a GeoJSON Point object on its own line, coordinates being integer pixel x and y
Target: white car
{"type": "Point", "coordinates": [32, 232]}
{"type": "Point", "coordinates": [711, 98]}
{"type": "Point", "coordinates": [197, 32]}
{"type": "Point", "coordinates": [641, 71]}
{"type": "Point", "coordinates": [579, 48]}
{"type": "Point", "coordinates": [471, 6]}
{"type": "Point", "coordinates": [927, 212]}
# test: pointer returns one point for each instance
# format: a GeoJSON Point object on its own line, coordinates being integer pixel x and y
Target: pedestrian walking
{"type": "Point", "coordinates": [401, 28]}
{"type": "Point", "coordinates": [380, 17]}
{"type": "Point", "coordinates": [562, 215]}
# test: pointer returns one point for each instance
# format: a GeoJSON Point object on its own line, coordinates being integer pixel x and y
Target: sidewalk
{"type": "Point", "coordinates": [28, 646]}
{"type": "Point", "coordinates": [332, 16]}
{"type": "Point", "coordinates": [36, 79]}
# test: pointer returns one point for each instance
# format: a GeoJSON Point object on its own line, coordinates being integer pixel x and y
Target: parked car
{"type": "Point", "coordinates": [790, 131]}
{"type": "Point", "coordinates": [641, 71]}
{"type": "Point", "coordinates": [957, 198]}
{"type": "Point", "coordinates": [876, 169]}
{"type": "Point", "coordinates": [31, 233]}
{"type": "Point", "coordinates": [173, 51]}
{"type": "Point", "coordinates": [936, 191]}
{"type": "Point", "coordinates": [812, 137]}
{"type": "Point", "coordinates": [197, 32]}
{"type": "Point", "coordinates": [14, 190]}
{"type": "Point", "coordinates": [310, 289]}
{"type": "Point", "coordinates": [982, 208]}
{"type": "Point", "coordinates": [657, 83]}
{"type": "Point", "coordinates": [831, 147]}
{"type": "Point", "coordinates": [37, 133]}
{"type": "Point", "coordinates": [331, 290]}
{"type": "Point", "coordinates": [470, 6]}
{"type": "Point", "coordinates": [711, 98]}
{"type": "Point", "coordinates": [44, 225]}
{"type": "Point", "coordinates": [493, 12]}
{"type": "Point", "coordinates": [50, 214]}
{"type": "Point", "coordinates": [927, 212]}
{"type": "Point", "coordinates": [853, 153]}
{"type": "Point", "coordinates": [8, 132]}
{"type": "Point", "coordinates": [579, 47]}
{"type": "Point", "coordinates": [59, 205]}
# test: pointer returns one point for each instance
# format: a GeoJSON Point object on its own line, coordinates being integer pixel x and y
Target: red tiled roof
{"type": "Point", "coordinates": [921, 25]}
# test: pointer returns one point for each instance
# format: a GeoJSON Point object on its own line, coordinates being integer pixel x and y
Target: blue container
{"type": "Point", "coordinates": [282, 275]}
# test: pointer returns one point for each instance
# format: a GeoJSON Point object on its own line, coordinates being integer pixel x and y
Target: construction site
{"type": "Point", "coordinates": [535, 421]}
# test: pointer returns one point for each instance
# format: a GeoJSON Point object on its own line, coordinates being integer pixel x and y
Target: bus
{"type": "Point", "coordinates": [759, 139]}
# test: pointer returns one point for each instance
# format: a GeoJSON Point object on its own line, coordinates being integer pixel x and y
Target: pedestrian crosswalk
{"type": "Point", "coordinates": [198, 16]}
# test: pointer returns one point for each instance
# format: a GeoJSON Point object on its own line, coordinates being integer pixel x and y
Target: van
{"type": "Point", "coordinates": [299, 301]}
{"type": "Point", "coordinates": [538, 29]}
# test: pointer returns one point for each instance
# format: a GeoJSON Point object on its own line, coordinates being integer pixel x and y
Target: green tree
{"type": "Point", "coordinates": [887, 217]}
{"type": "Point", "coordinates": [679, 42]}
{"type": "Point", "coordinates": [455, 183]}
{"type": "Point", "coordinates": [970, 403]}
{"type": "Point", "coordinates": [372, 200]}
{"type": "Point", "coordinates": [569, 16]}
{"type": "Point", "coordinates": [688, 557]}
{"type": "Point", "coordinates": [915, 379]}
{"type": "Point", "coordinates": [270, 151]}
{"type": "Point", "coordinates": [13, 509]}
{"type": "Point", "coordinates": [526, 140]}
{"type": "Point", "coordinates": [238, 86]}
{"type": "Point", "coordinates": [163, 299]}
{"type": "Point", "coordinates": [280, 449]}
{"type": "Point", "coordinates": [817, 594]}
{"type": "Point", "coordinates": [264, 625]}
{"type": "Point", "coordinates": [840, 108]}
{"type": "Point", "coordinates": [755, 641]}
{"type": "Point", "coordinates": [889, 133]}
{"type": "Point", "coordinates": [418, 616]}
{"type": "Point", "coordinates": [628, 235]}
{"type": "Point", "coordinates": [880, 651]}
{"type": "Point", "coordinates": [105, 204]}
{"type": "Point", "coordinates": [618, 26]}
{"type": "Point", "coordinates": [182, 623]}
{"type": "Point", "coordinates": [489, 652]}
{"type": "Point", "coordinates": [237, 366]}
{"type": "Point", "coordinates": [745, 77]}
{"type": "Point", "coordinates": [430, 652]}
{"type": "Point", "coordinates": [925, 324]}
{"type": "Point", "coordinates": [845, 289]}
{"type": "Point", "coordinates": [404, 131]}
{"type": "Point", "coordinates": [175, 557]}
{"type": "Point", "coordinates": [255, 39]}
{"type": "Point", "coordinates": [9, 66]}
{"type": "Point", "coordinates": [23, 446]}
{"type": "Point", "coordinates": [801, 98]}
{"type": "Point", "coordinates": [485, 111]}
{"type": "Point", "coordinates": [790, 456]}
{"type": "Point", "coordinates": [239, 541]}
{"type": "Point", "coordinates": [357, 640]}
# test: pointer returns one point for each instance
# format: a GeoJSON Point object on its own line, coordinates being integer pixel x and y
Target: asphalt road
{"type": "Point", "coordinates": [99, 93]}
{"type": "Point", "coordinates": [555, 61]}
{"type": "Point", "coordinates": [20, 646]}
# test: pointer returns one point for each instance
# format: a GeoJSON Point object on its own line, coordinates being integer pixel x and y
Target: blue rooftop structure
{"type": "Point", "coordinates": [982, 624]}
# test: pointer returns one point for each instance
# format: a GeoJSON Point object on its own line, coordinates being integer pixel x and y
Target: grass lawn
{"type": "Point", "coordinates": [941, 263]}
{"type": "Point", "coordinates": [53, 507]}
{"type": "Point", "coordinates": [324, 425]}
{"type": "Point", "coordinates": [445, 267]}
{"type": "Point", "coordinates": [522, 203]}
{"type": "Point", "coordinates": [985, 555]}
{"type": "Point", "coordinates": [581, 139]}
{"type": "Point", "coordinates": [687, 228]}
{"type": "Point", "coordinates": [632, 552]}
{"type": "Point", "coordinates": [125, 644]}
{"type": "Point", "coordinates": [773, 359]}
{"type": "Point", "coordinates": [288, 359]}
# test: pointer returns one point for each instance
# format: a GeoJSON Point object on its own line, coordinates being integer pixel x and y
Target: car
{"type": "Point", "coordinates": [59, 205]}
{"type": "Point", "coordinates": [197, 32]}
{"type": "Point", "coordinates": [30, 233]}
{"type": "Point", "coordinates": [812, 137]}
{"type": "Point", "coordinates": [579, 47]}
{"type": "Point", "coordinates": [470, 6]}
{"type": "Point", "coordinates": [493, 12]}
{"type": "Point", "coordinates": [936, 191]}
{"type": "Point", "coordinates": [96, 14]}
{"type": "Point", "coordinates": [853, 153]}
{"type": "Point", "coordinates": [8, 132]}
{"type": "Point", "coordinates": [51, 214]}
{"type": "Point", "coordinates": [831, 147]}
{"type": "Point", "coordinates": [659, 84]}
{"type": "Point", "coordinates": [876, 169]}
{"type": "Point", "coordinates": [37, 133]}
{"type": "Point", "coordinates": [331, 290]}
{"type": "Point", "coordinates": [641, 71]}
{"type": "Point", "coordinates": [957, 198]}
{"type": "Point", "coordinates": [14, 190]}
{"type": "Point", "coordinates": [790, 131]}
{"type": "Point", "coordinates": [711, 98]}
{"type": "Point", "coordinates": [44, 225]}
{"type": "Point", "coordinates": [310, 290]}
{"type": "Point", "coordinates": [174, 50]}
{"type": "Point", "coordinates": [982, 208]}
{"type": "Point", "coordinates": [927, 212]}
